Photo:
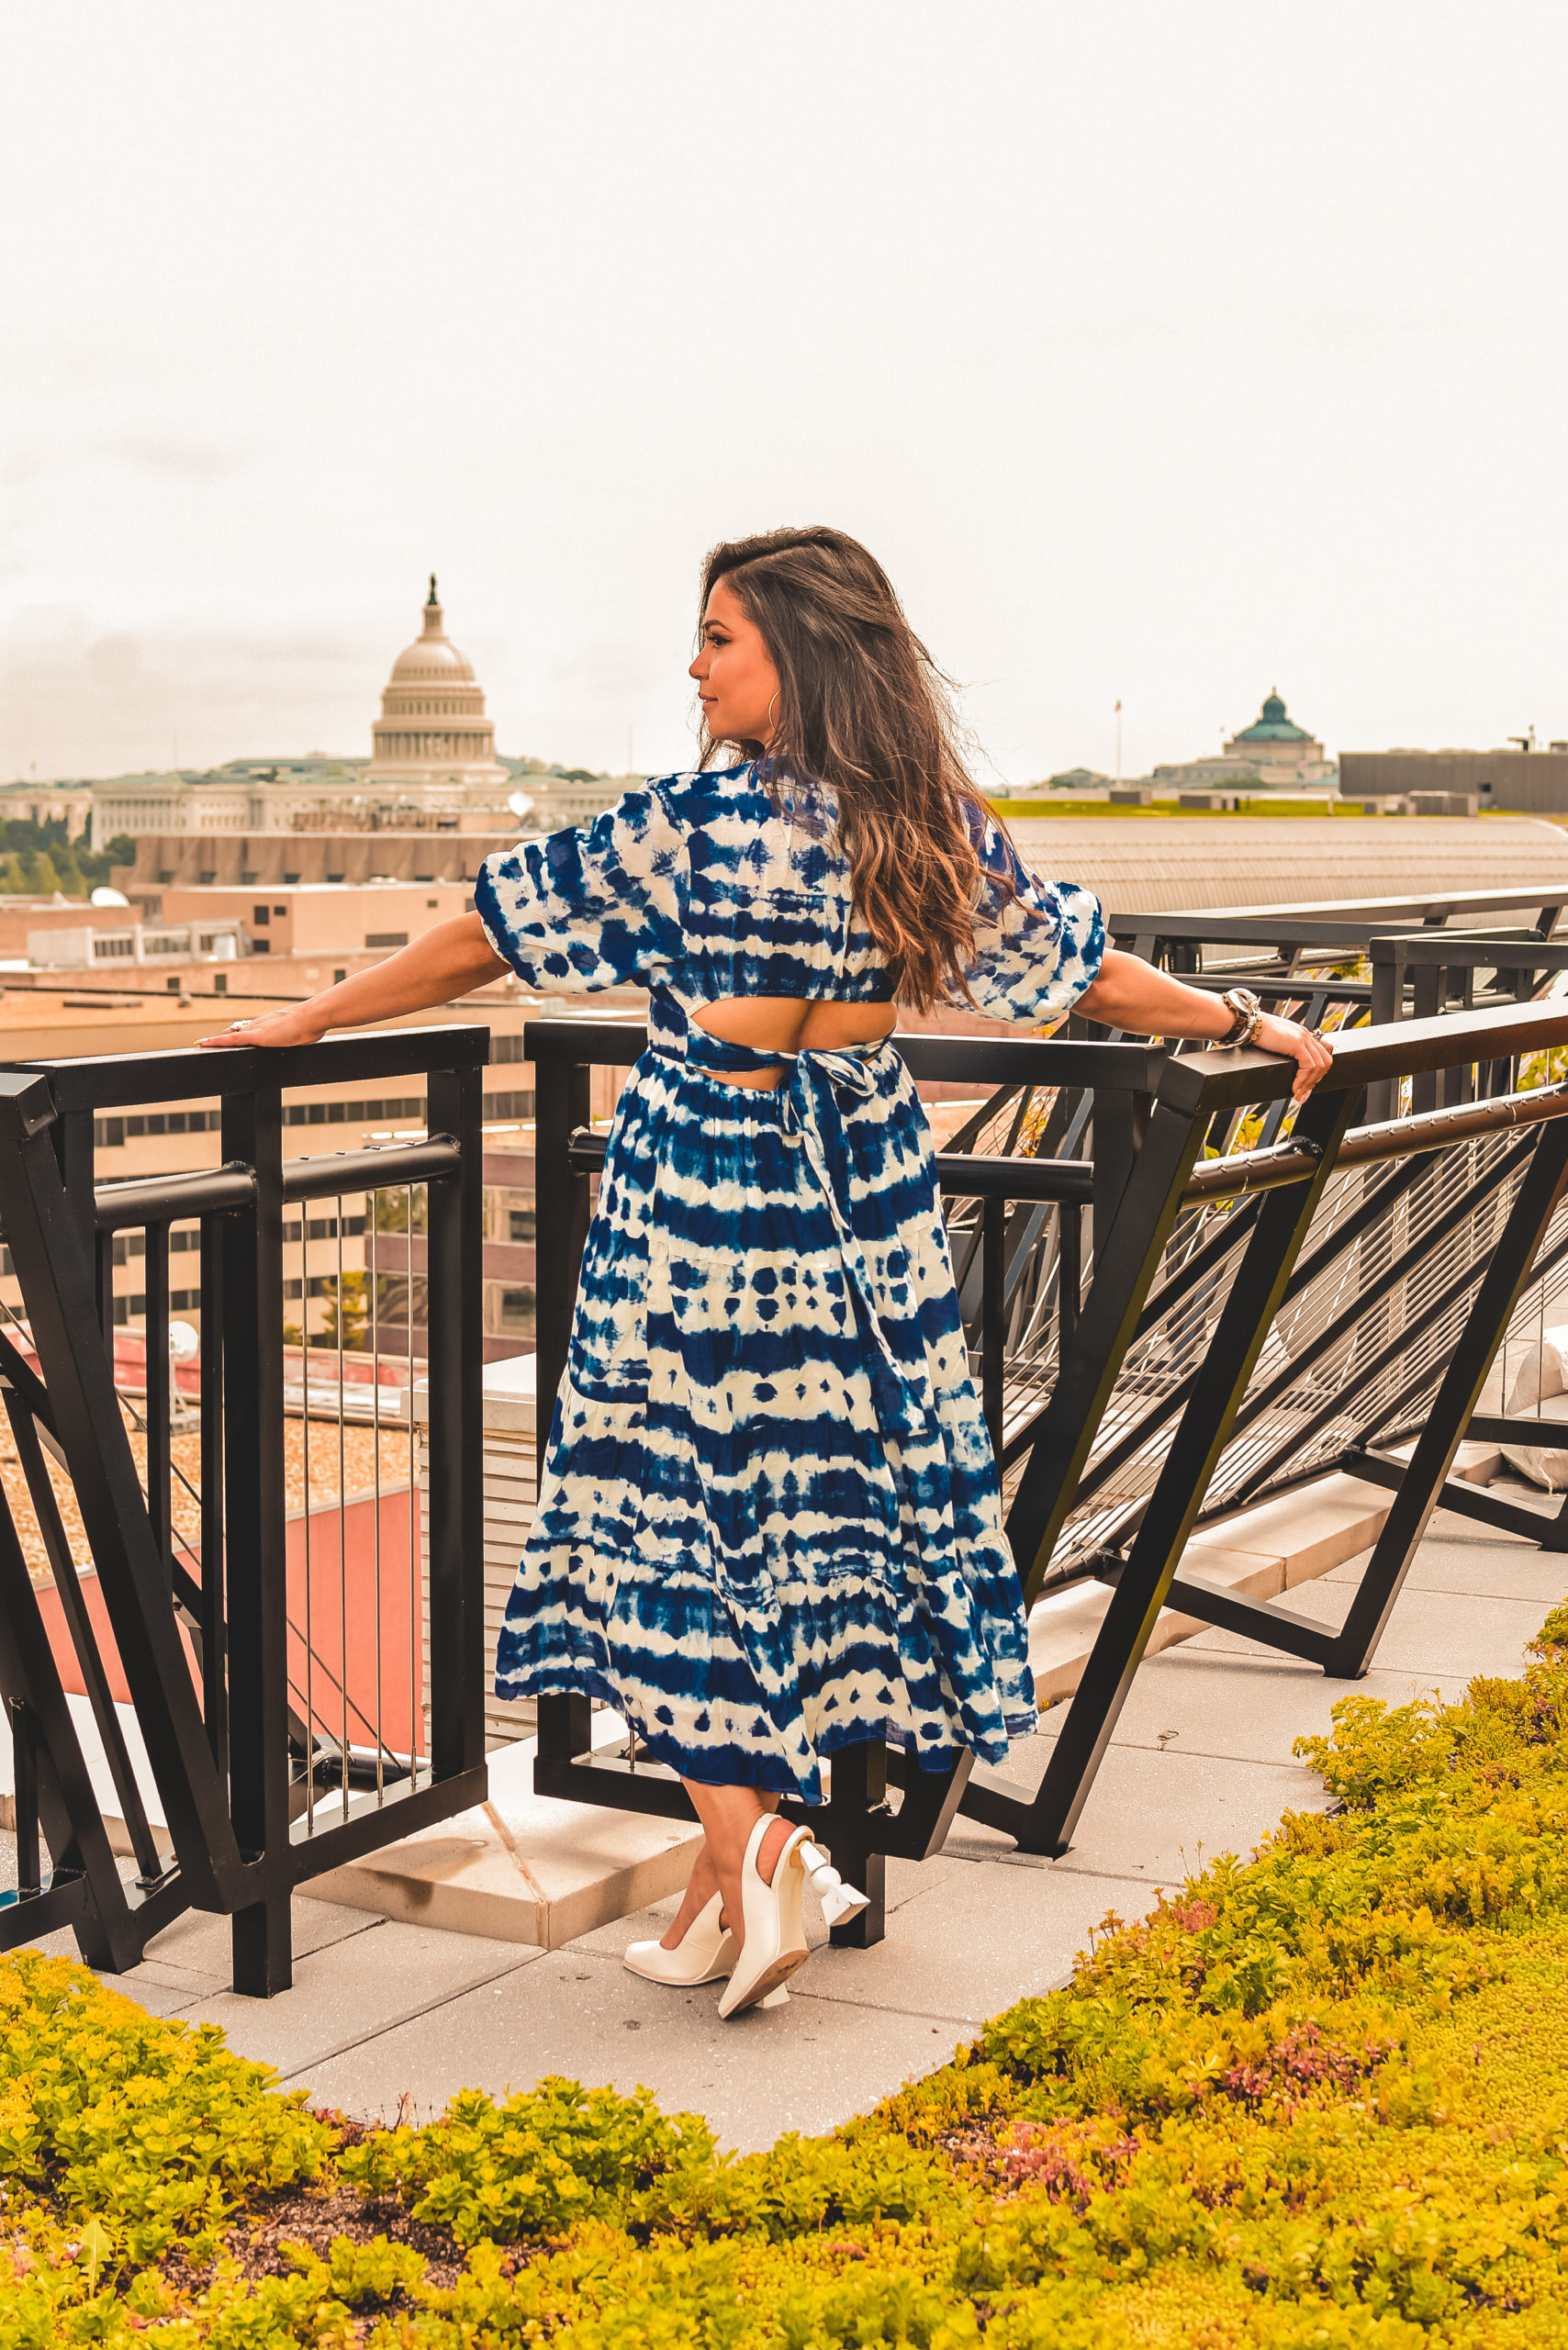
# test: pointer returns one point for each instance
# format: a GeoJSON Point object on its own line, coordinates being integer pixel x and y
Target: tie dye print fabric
{"type": "Point", "coordinates": [767, 1520]}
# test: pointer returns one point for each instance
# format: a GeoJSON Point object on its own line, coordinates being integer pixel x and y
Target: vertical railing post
{"type": "Point", "coordinates": [1388, 976]}
{"type": "Point", "coordinates": [561, 1202]}
{"type": "Point", "coordinates": [77, 1156]}
{"type": "Point", "coordinates": [25, 1782]}
{"type": "Point", "coordinates": [214, 1625]}
{"type": "Point", "coordinates": [255, 1538]}
{"type": "Point", "coordinates": [1120, 1124]}
{"type": "Point", "coordinates": [155, 1377]}
{"type": "Point", "coordinates": [1070, 1275]}
{"type": "Point", "coordinates": [561, 1102]}
{"type": "Point", "coordinates": [454, 1369]}
{"type": "Point", "coordinates": [993, 1269]}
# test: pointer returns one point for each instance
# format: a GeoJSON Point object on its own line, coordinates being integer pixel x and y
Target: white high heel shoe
{"type": "Point", "coordinates": [704, 1951]}
{"type": "Point", "coordinates": [775, 1946]}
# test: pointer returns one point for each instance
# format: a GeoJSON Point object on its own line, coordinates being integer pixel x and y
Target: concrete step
{"type": "Point", "coordinates": [522, 1867]}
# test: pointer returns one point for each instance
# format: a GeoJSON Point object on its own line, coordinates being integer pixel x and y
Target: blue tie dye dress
{"type": "Point", "coordinates": [767, 1520]}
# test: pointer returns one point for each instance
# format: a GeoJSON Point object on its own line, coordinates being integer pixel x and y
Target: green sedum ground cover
{"type": "Point", "coordinates": [1318, 2100]}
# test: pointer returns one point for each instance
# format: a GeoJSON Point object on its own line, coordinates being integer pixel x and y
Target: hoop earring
{"type": "Point", "coordinates": [772, 712]}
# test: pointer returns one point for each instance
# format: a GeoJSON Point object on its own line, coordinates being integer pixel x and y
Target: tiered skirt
{"type": "Point", "coordinates": [767, 1521]}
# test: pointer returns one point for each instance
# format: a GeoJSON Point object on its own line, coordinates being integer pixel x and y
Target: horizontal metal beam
{"type": "Point", "coordinates": [977, 1060]}
{"type": "Point", "coordinates": [976, 1175]}
{"type": "Point", "coordinates": [967, 1175]}
{"type": "Point", "coordinates": [1131, 1068]}
{"type": "Point", "coordinates": [371, 1171]}
{"type": "Point", "coordinates": [1333, 922]}
{"type": "Point", "coordinates": [1545, 1529]}
{"type": "Point", "coordinates": [1514, 1428]}
{"type": "Point", "coordinates": [1290, 1162]}
{"type": "Point", "coordinates": [164, 1199]}
{"type": "Point", "coordinates": [1238, 1078]}
{"type": "Point", "coordinates": [1464, 950]}
{"type": "Point", "coordinates": [612, 1044]}
{"type": "Point", "coordinates": [216, 1191]}
{"type": "Point", "coordinates": [121, 1080]}
{"type": "Point", "coordinates": [374, 1821]}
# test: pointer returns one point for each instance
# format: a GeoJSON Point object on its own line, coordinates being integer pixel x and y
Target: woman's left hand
{"type": "Point", "coordinates": [1313, 1056]}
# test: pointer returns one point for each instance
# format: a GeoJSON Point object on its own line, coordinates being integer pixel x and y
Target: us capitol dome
{"type": "Point", "coordinates": [432, 745]}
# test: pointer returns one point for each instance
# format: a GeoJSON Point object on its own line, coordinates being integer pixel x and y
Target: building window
{"type": "Point", "coordinates": [109, 1134]}
{"type": "Point", "coordinates": [516, 1311]}
{"type": "Point", "coordinates": [509, 1105]}
{"type": "Point", "coordinates": [336, 1113]}
{"type": "Point", "coordinates": [133, 1308]}
{"type": "Point", "coordinates": [262, 914]}
{"type": "Point", "coordinates": [280, 911]}
{"type": "Point", "coordinates": [324, 1228]}
{"type": "Point", "coordinates": [220, 983]}
{"type": "Point", "coordinates": [249, 880]}
{"type": "Point", "coordinates": [337, 978]}
{"type": "Point", "coordinates": [290, 880]}
{"type": "Point", "coordinates": [522, 1225]}
{"type": "Point", "coordinates": [207, 879]}
{"type": "Point", "coordinates": [261, 947]}
{"type": "Point", "coordinates": [386, 938]}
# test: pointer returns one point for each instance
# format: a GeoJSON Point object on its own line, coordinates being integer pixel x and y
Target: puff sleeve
{"type": "Point", "coordinates": [1037, 943]}
{"type": "Point", "coordinates": [599, 906]}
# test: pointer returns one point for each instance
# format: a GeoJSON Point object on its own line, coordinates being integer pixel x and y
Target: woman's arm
{"type": "Point", "coordinates": [1130, 993]}
{"type": "Point", "coordinates": [446, 962]}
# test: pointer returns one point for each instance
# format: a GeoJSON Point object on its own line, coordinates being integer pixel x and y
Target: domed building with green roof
{"type": "Point", "coordinates": [1274, 740]}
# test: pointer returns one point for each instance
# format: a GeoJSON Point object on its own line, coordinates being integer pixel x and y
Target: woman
{"type": "Point", "coordinates": [767, 1522]}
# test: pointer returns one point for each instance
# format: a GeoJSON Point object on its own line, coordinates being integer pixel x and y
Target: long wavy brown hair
{"type": "Point", "coordinates": [864, 710]}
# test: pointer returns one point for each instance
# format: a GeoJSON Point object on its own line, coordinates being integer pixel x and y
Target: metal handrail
{"type": "Point", "coordinates": [1290, 1162]}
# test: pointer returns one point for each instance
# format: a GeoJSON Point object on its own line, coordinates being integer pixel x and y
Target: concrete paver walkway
{"type": "Point", "coordinates": [388, 2019]}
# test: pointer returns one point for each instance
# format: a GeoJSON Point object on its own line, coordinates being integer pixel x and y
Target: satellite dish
{"type": "Point", "coordinates": [519, 802]}
{"type": "Point", "coordinates": [185, 1340]}
{"type": "Point", "coordinates": [108, 898]}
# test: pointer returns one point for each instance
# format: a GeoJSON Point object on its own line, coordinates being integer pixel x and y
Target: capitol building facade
{"type": "Point", "coordinates": [432, 767]}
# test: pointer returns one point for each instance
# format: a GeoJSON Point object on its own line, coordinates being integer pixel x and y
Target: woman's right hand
{"type": "Point", "coordinates": [446, 962]}
{"type": "Point", "coordinates": [297, 1023]}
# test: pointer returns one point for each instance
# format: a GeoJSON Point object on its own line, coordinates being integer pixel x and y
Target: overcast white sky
{"type": "Point", "coordinates": [1162, 351]}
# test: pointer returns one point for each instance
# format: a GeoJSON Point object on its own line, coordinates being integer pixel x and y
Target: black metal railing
{"type": "Point", "coordinates": [1276, 941]}
{"type": "Point", "coordinates": [1266, 1318]}
{"type": "Point", "coordinates": [1264, 1297]}
{"type": "Point", "coordinates": [1182, 1300]}
{"type": "Point", "coordinates": [277, 1748]}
